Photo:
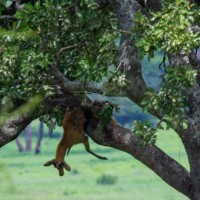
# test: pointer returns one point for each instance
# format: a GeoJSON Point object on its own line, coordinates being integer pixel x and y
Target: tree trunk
{"type": "Point", "coordinates": [19, 145]}
{"type": "Point", "coordinates": [50, 133]}
{"type": "Point", "coordinates": [192, 141]}
{"type": "Point", "coordinates": [28, 137]}
{"type": "Point", "coordinates": [40, 135]}
{"type": "Point", "coordinates": [194, 155]}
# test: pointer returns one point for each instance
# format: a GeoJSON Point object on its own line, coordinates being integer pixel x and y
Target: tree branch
{"type": "Point", "coordinates": [164, 166]}
{"type": "Point", "coordinates": [69, 86]}
{"type": "Point", "coordinates": [73, 86]}
{"type": "Point", "coordinates": [64, 49]}
{"type": "Point", "coordinates": [8, 17]}
{"type": "Point", "coordinates": [12, 126]}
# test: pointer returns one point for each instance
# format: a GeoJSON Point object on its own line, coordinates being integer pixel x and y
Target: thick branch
{"type": "Point", "coordinates": [12, 126]}
{"type": "Point", "coordinates": [69, 86]}
{"type": "Point", "coordinates": [164, 166]}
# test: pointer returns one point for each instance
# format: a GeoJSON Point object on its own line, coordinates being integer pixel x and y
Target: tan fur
{"type": "Point", "coordinates": [73, 126]}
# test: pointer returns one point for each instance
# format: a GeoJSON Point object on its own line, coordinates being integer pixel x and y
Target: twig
{"type": "Point", "coordinates": [8, 17]}
{"type": "Point", "coordinates": [64, 49]}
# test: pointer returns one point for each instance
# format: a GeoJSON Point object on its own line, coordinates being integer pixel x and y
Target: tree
{"type": "Point", "coordinates": [28, 137]}
{"type": "Point", "coordinates": [19, 145]}
{"type": "Point", "coordinates": [39, 138]}
{"type": "Point", "coordinates": [54, 53]}
{"type": "Point", "coordinates": [28, 134]}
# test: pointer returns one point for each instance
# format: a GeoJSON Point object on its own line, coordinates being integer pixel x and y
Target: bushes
{"type": "Point", "coordinates": [106, 180]}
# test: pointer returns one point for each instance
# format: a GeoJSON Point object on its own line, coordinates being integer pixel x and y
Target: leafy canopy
{"type": "Point", "coordinates": [77, 38]}
{"type": "Point", "coordinates": [80, 39]}
{"type": "Point", "coordinates": [173, 31]}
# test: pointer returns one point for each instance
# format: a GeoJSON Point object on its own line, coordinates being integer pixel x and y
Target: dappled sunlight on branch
{"type": "Point", "coordinates": [7, 111]}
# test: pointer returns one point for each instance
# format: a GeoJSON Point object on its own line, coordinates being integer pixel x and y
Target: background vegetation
{"type": "Point", "coordinates": [23, 176]}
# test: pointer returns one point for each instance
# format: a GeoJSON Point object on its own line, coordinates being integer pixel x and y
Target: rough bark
{"type": "Point", "coordinates": [191, 139]}
{"type": "Point", "coordinates": [12, 127]}
{"type": "Point", "coordinates": [194, 161]}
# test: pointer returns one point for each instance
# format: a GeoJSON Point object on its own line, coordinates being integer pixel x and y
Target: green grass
{"type": "Point", "coordinates": [23, 177]}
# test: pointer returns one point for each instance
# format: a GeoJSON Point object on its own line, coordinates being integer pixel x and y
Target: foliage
{"type": "Point", "coordinates": [75, 26]}
{"type": "Point", "coordinates": [107, 180]}
{"type": "Point", "coordinates": [145, 132]}
{"type": "Point", "coordinates": [23, 66]}
{"type": "Point", "coordinates": [106, 112]}
{"type": "Point", "coordinates": [54, 119]}
{"type": "Point", "coordinates": [59, 33]}
{"type": "Point", "coordinates": [172, 99]}
{"type": "Point", "coordinates": [5, 4]}
{"type": "Point", "coordinates": [174, 31]}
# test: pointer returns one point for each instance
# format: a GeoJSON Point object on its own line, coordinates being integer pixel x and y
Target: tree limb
{"type": "Point", "coordinates": [12, 126]}
{"type": "Point", "coordinates": [164, 166]}
{"type": "Point", "coordinates": [69, 86]}
{"type": "Point", "coordinates": [72, 86]}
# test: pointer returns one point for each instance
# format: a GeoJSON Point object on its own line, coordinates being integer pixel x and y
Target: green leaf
{"type": "Point", "coordinates": [8, 3]}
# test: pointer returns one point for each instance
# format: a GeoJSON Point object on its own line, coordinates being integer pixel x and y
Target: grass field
{"type": "Point", "coordinates": [23, 177]}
